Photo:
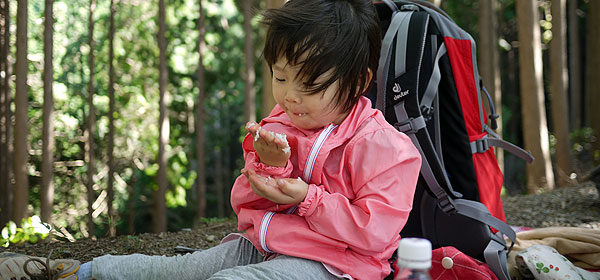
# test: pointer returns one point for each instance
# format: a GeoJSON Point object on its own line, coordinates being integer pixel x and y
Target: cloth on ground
{"type": "Point", "coordinates": [545, 263]}
{"type": "Point", "coordinates": [580, 245]}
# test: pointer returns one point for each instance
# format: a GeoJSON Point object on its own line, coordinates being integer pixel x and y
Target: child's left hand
{"type": "Point", "coordinates": [282, 191]}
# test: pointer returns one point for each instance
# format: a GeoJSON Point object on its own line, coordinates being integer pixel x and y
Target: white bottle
{"type": "Point", "coordinates": [414, 259]}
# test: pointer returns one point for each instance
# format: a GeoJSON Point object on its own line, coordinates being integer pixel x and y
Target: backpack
{"type": "Point", "coordinates": [428, 87]}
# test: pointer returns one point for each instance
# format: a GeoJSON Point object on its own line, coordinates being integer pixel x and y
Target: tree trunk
{"type": "Point", "coordinates": [535, 128]}
{"type": "Point", "coordinates": [559, 84]}
{"type": "Point", "coordinates": [438, 3]}
{"type": "Point", "coordinates": [593, 75]}
{"type": "Point", "coordinates": [47, 188]}
{"type": "Point", "coordinates": [199, 124]}
{"type": "Point", "coordinates": [219, 186]}
{"type": "Point", "coordinates": [5, 116]}
{"type": "Point", "coordinates": [21, 157]}
{"type": "Point", "coordinates": [489, 62]}
{"type": "Point", "coordinates": [268, 101]}
{"type": "Point", "coordinates": [575, 80]}
{"type": "Point", "coordinates": [249, 75]}
{"type": "Point", "coordinates": [111, 123]}
{"type": "Point", "coordinates": [91, 196]}
{"type": "Point", "coordinates": [130, 208]}
{"type": "Point", "coordinates": [160, 208]}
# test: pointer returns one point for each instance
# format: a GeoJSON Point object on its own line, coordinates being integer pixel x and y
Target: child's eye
{"type": "Point", "coordinates": [279, 80]}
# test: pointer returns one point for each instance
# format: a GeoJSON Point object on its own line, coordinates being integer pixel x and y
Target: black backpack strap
{"type": "Point", "coordinates": [399, 19]}
{"type": "Point", "coordinates": [495, 257]}
{"type": "Point", "coordinates": [496, 250]}
{"type": "Point", "coordinates": [492, 139]}
{"type": "Point", "coordinates": [414, 127]}
{"type": "Point", "coordinates": [493, 116]}
{"type": "Point", "coordinates": [434, 81]}
{"type": "Point", "coordinates": [472, 210]}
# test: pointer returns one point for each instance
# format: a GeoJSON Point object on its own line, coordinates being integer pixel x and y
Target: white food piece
{"type": "Point", "coordinates": [250, 124]}
{"type": "Point", "coordinates": [283, 138]}
{"type": "Point", "coordinates": [257, 135]}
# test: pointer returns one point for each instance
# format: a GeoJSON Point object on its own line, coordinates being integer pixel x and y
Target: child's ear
{"type": "Point", "coordinates": [368, 77]}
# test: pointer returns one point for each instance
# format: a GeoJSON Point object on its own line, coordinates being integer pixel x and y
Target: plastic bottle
{"type": "Point", "coordinates": [414, 259]}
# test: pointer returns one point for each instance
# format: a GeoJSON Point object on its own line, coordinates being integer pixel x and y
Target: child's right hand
{"type": "Point", "coordinates": [272, 149]}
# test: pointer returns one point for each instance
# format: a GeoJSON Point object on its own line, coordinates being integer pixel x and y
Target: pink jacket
{"type": "Point", "coordinates": [362, 176]}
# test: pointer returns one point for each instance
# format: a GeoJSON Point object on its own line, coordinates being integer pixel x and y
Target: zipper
{"type": "Point", "coordinates": [314, 151]}
{"type": "Point", "coordinates": [310, 163]}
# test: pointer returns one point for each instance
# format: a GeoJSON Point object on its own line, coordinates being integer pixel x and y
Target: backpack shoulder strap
{"type": "Point", "coordinates": [393, 65]}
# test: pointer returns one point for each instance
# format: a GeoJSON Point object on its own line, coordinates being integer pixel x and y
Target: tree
{"type": "Point", "coordinates": [111, 122]}
{"type": "Point", "coordinates": [489, 61]}
{"type": "Point", "coordinates": [47, 190]}
{"type": "Point", "coordinates": [559, 83]}
{"type": "Point", "coordinates": [160, 209]}
{"type": "Point", "coordinates": [219, 165]}
{"type": "Point", "coordinates": [593, 75]}
{"type": "Point", "coordinates": [199, 123]}
{"type": "Point", "coordinates": [21, 157]}
{"type": "Point", "coordinates": [249, 74]}
{"type": "Point", "coordinates": [5, 115]}
{"type": "Point", "coordinates": [89, 149]}
{"type": "Point", "coordinates": [438, 3]}
{"type": "Point", "coordinates": [267, 95]}
{"type": "Point", "coordinates": [535, 129]}
{"type": "Point", "coordinates": [574, 51]}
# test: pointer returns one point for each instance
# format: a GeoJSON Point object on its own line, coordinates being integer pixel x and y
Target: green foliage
{"type": "Point", "coordinates": [136, 107]}
{"type": "Point", "coordinates": [464, 13]}
{"type": "Point", "coordinates": [32, 230]}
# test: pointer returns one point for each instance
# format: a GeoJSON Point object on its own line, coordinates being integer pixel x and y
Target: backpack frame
{"type": "Point", "coordinates": [428, 87]}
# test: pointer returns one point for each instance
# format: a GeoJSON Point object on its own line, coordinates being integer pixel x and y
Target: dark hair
{"type": "Point", "coordinates": [339, 35]}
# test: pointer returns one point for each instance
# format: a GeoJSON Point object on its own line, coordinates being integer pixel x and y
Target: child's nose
{"type": "Point", "coordinates": [292, 96]}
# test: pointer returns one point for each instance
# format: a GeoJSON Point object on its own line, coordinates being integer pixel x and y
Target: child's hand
{"type": "Point", "coordinates": [282, 191]}
{"type": "Point", "coordinates": [272, 148]}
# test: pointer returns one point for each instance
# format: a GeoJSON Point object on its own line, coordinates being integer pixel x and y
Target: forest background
{"type": "Point", "coordinates": [126, 116]}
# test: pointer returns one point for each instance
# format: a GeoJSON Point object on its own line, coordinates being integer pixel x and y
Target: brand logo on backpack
{"type": "Point", "coordinates": [398, 89]}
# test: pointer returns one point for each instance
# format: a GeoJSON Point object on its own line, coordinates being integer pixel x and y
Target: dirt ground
{"type": "Point", "coordinates": [206, 236]}
{"type": "Point", "coordinates": [576, 207]}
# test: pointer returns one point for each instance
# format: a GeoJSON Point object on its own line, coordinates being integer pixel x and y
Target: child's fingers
{"type": "Point", "coordinates": [251, 126]}
{"type": "Point", "coordinates": [267, 136]}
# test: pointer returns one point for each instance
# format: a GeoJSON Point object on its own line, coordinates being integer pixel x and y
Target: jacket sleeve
{"type": "Point", "coordinates": [384, 167]}
{"type": "Point", "coordinates": [242, 196]}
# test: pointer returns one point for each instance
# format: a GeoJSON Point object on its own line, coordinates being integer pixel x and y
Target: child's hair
{"type": "Point", "coordinates": [343, 36]}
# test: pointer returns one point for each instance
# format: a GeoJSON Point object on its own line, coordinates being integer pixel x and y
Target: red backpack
{"type": "Point", "coordinates": [428, 87]}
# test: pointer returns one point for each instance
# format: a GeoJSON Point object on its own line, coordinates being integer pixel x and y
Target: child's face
{"type": "Point", "coordinates": [307, 111]}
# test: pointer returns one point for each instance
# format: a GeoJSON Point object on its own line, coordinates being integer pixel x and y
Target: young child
{"type": "Point", "coordinates": [328, 184]}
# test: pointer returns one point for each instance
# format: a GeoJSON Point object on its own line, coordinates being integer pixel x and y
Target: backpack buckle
{"type": "Point", "coordinates": [447, 205]}
{"type": "Point", "coordinates": [480, 145]}
{"type": "Point", "coordinates": [405, 126]}
{"type": "Point", "coordinates": [412, 125]}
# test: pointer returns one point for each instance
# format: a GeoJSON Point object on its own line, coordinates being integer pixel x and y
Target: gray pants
{"type": "Point", "coordinates": [236, 259]}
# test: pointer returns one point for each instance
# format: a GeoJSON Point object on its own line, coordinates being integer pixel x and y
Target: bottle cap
{"type": "Point", "coordinates": [414, 253]}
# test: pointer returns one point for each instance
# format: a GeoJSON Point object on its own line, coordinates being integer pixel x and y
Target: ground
{"type": "Point", "coordinates": [574, 206]}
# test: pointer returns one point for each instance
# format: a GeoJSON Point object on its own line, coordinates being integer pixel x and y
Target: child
{"type": "Point", "coordinates": [328, 184]}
